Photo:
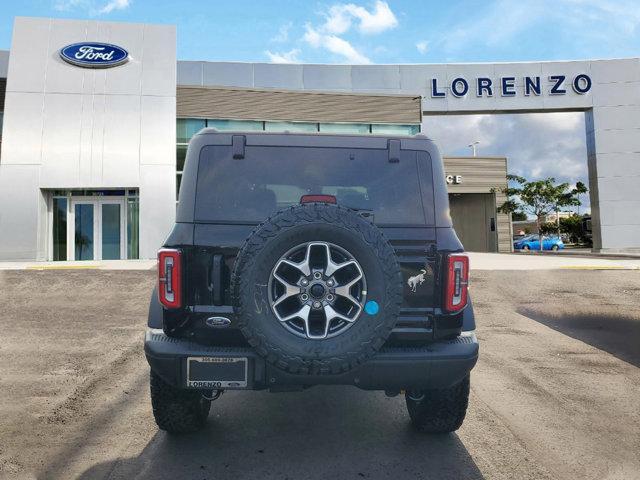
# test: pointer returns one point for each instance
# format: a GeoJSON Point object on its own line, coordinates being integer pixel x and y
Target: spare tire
{"type": "Point", "coordinates": [317, 289]}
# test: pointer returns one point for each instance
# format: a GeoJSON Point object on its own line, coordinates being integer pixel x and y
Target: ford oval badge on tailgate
{"type": "Point", "coordinates": [218, 322]}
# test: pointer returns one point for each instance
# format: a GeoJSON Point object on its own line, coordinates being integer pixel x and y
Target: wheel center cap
{"type": "Point", "coordinates": [317, 290]}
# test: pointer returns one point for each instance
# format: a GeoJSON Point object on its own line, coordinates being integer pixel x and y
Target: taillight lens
{"type": "Point", "coordinates": [457, 282]}
{"type": "Point", "coordinates": [170, 278]}
{"type": "Point", "coordinates": [318, 199]}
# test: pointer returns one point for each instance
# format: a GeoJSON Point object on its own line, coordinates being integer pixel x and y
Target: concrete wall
{"type": "Point", "coordinates": [69, 127]}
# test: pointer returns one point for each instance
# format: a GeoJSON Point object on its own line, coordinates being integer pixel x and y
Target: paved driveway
{"type": "Point", "coordinates": [554, 394]}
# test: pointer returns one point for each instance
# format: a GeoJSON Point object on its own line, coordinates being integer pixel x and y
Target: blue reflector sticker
{"type": "Point", "coordinates": [371, 307]}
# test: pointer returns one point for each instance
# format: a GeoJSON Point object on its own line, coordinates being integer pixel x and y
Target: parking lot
{"type": "Point", "coordinates": [555, 393]}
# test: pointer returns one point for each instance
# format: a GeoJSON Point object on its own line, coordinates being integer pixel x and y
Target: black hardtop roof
{"type": "Point", "coordinates": [209, 130]}
{"type": "Point", "coordinates": [211, 136]}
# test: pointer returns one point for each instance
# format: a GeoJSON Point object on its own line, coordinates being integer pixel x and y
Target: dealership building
{"type": "Point", "coordinates": [96, 117]}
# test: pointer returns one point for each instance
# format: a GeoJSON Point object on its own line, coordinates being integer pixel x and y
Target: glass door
{"type": "Point", "coordinates": [84, 229]}
{"type": "Point", "coordinates": [112, 230]}
{"type": "Point", "coordinates": [97, 230]}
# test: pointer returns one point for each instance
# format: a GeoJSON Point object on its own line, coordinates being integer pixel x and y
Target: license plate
{"type": "Point", "coordinates": [217, 372]}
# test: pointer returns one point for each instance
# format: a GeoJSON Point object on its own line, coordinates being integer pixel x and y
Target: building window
{"type": "Point", "coordinates": [346, 128]}
{"type": "Point", "coordinates": [59, 228]}
{"type": "Point", "coordinates": [236, 125]}
{"type": "Point", "coordinates": [133, 227]}
{"type": "Point", "coordinates": [302, 127]}
{"type": "Point", "coordinates": [388, 129]}
{"type": "Point", "coordinates": [187, 128]}
{"type": "Point", "coordinates": [181, 154]}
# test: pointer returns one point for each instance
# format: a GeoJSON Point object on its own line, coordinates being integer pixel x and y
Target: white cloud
{"type": "Point", "coordinates": [91, 7]}
{"type": "Point", "coordinates": [114, 5]}
{"type": "Point", "coordinates": [65, 5]}
{"type": "Point", "coordinates": [339, 20]}
{"type": "Point", "coordinates": [335, 45]}
{"type": "Point", "coordinates": [422, 46]}
{"type": "Point", "coordinates": [537, 145]}
{"type": "Point", "coordinates": [284, 57]}
{"type": "Point", "coordinates": [283, 33]}
{"type": "Point", "coordinates": [340, 17]}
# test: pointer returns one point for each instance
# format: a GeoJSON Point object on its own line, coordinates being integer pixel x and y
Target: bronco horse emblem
{"type": "Point", "coordinates": [416, 280]}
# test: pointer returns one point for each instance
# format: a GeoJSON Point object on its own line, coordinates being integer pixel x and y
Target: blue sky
{"type": "Point", "coordinates": [370, 31]}
{"type": "Point", "coordinates": [399, 31]}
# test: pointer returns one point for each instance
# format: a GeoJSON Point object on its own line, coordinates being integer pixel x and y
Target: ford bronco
{"type": "Point", "coordinates": [306, 259]}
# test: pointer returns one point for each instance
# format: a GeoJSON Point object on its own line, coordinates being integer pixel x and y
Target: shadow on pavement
{"type": "Point", "coordinates": [325, 432]}
{"type": "Point", "coordinates": [618, 335]}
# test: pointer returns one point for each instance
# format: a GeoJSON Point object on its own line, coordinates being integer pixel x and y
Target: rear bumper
{"type": "Point", "coordinates": [436, 365]}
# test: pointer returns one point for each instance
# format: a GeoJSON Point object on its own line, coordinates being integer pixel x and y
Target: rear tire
{"type": "Point", "coordinates": [555, 248]}
{"type": "Point", "coordinates": [525, 247]}
{"type": "Point", "coordinates": [176, 410]}
{"type": "Point", "coordinates": [439, 410]}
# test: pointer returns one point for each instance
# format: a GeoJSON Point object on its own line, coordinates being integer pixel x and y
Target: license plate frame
{"type": "Point", "coordinates": [214, 366]}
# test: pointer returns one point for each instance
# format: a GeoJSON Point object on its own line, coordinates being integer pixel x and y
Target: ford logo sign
{"type": "Point", "coordinates": [94, 55]}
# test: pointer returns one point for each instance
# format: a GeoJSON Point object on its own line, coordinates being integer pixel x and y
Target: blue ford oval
{"type": "Point", "coordinates": [94, 54]}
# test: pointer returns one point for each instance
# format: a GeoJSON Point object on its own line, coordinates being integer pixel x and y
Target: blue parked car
{"type": "Point", "coordinates": [532, 242]}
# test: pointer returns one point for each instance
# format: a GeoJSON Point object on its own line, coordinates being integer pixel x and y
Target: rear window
{"type": "Point", "coordinates": [271, 178]}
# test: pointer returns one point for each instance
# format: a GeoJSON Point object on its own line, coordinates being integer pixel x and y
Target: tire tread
{"type": "Point", "coordinates": [177, 410]}
{"type": "Point", "coordinates": [441, 410]}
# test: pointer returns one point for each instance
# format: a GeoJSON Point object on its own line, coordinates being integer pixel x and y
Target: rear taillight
{"type": "Point", "coordinates": [457, 282]}
{"type": "Point", "coordinates": [170, 278]}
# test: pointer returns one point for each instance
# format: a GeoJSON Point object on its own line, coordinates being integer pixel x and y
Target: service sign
{"type": "Point", "coordinates": [94, 55]}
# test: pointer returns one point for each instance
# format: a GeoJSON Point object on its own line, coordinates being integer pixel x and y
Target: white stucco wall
{"type": "Point", "coordinates": [71, 127]}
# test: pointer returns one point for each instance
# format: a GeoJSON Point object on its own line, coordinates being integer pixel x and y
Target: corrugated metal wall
{"type": "Point", "coordinates": [482, 175]}
{"type": "Point", "coordinates": [253, 104]}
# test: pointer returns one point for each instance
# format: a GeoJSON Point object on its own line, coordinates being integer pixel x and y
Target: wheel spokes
{"type": "Point", "coordinates": [314, 300]}
{"type": "Point", "coordinates": [302, 314]}
{"type": "Point", "coordinates": [302, 266]}
{"type": "Point", "coordinates": [291, 290]}
{"type": "Point", "coordinates": [333, 267]}
{"type": "Point", "coordinates": [345, 290]}
{"type": "Point", "coordinates": [330, 313]}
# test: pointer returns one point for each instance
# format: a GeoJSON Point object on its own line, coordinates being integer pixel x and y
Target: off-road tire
{"type": "Point", "coordinates": [307, 223]}
{"type": "Point", "coordinates": [441, 410]}
{"type": "Point", "coordinates": [177, 410]}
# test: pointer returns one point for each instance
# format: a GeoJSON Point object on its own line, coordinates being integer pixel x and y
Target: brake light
{"type": "Point", "coordinates": [170, 278]}
{"type": "Point", "coordinates": [318, 198]}
{"type": "Point", "coordinates": [457, 282]}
